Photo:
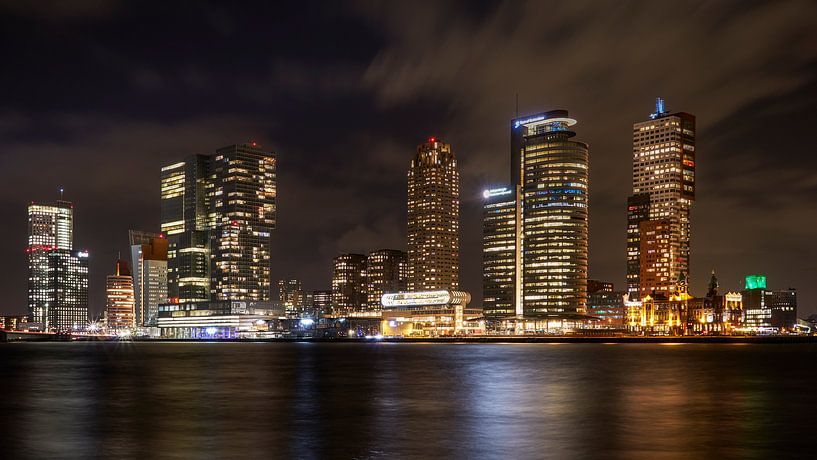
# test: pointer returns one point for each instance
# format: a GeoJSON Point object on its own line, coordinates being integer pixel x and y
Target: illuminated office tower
{"type": "Point", "coordinates": [57, 275]}
{"type": "Point", "coordinates": [186, 223]}
{"type": "Point", "coordinates": [218, 212]}
{"type": "Point", "coordinates": [69, 287]}
{"type": "Point", "coordinates": [149, 259]}
{"type": "Point", "coordinates": [663, 189]}
{"type": "Point", "coordinates": [501, 258]}
{"type": "Point", "coordinates": [386, 273]}
{"type": "Point", "coordinates": [349, 284]}
{"type": "Point", "coordinates": [291, 295]}
{"type": "Point", "coordinates": [433, 218]}
{"type": "Point", "coordinates": [50, 227]}
{"type": "Point", "coordinates": [554, 180]}
{"type": "Point", "coordinates": [120, 305]}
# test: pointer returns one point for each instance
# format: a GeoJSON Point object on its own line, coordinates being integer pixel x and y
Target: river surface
{"type": "Point", "coordinates": [380, 400]}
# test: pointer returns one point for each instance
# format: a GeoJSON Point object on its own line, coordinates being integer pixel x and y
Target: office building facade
{"type": "Point", "coordinates": [433, 218]}
{"type": "Point", "coordinates": [149, 262]}
{"type": "Point", "coordinates": [765, 309]}
{"type": "Point", "coordinates": [386, 273]}
{"type": "Point", "coordinates": [321, 303]}
{"type": "Point", "coordinates": [535, 231]}
{"type": "Point", "coordinates": [663, 190]}
{"type": "Point", "coordinates": [555, 183]}
{"type": "Point", "coordinates": [291, 295]}
{"type": "Point", "coordinates": [501, 257]}
{"type": "Point", "coordinates": [57, 274]}
{"type": "Point", "coordinates": [349, 284]}
{"type": "Point", "coordinates": [119, 295]}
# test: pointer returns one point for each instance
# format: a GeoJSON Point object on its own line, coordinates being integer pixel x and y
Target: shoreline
{"type": "Point", "coordinates": [461, 340]}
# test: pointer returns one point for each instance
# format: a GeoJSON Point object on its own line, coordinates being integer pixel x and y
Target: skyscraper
{"type": "Point", "coordinates": [535, 230]}
{"type": "Point", "coordinates": [149, 259]}
{"type": "Point", "coordinates": [57, 275]}
{"type": "Point", "coordinates": [663, 189]}
{"type": "Point", "coordinates": [243, 203]}
{"type": "Point", "coordinates": [186, 223]}
{"type": "Point", "coordinates": [349, 284]}
{"type": "Point", "coordinates": [433, 218]}
{"type": "Point", "coordinates": [501, 259]}
{"type": "Point", "coordinates": [554, 180]}
{"type": "Point", "coordinates": [119, 298]}
{"type": "Point", "coordinates": [386, 273]}
{"type": "Point", "coordinates": [218, 212]}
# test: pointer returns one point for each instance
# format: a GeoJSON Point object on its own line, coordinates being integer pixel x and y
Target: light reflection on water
{"type": "Point", "coordinates": [302, 400]}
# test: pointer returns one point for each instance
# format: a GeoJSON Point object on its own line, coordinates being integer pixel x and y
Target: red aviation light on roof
{"type": "Point", "coordinates": [254, 144]}
{"type": "Point", "coordinates": [432, 139]}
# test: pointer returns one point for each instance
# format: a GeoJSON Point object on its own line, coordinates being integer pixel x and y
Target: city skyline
{"type": "Point", "coordinates": [745, 189]}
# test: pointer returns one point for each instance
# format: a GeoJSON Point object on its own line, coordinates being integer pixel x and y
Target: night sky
{"type": "Point", "coordinates": [97, 96]}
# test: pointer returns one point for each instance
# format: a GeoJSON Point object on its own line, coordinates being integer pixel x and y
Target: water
{"type": "Point", "coordinates": [302, 400]}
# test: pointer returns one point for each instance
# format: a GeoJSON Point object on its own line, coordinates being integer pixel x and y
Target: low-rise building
{"type": "Point", "coordinates": [430, 314]}
{"type": "Point", "coordinates": [222, 319]}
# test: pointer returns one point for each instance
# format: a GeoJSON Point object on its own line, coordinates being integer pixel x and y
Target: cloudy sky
{"type": "Point", "coordinates": [98, 95]}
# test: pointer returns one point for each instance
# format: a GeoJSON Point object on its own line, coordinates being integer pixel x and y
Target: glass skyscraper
{"type": "Point", "coordinates": [57, 274]}
{"type": "Point", "coordinates": [500, 257]}
{"type": "Point", "coordinates": [535, 232]}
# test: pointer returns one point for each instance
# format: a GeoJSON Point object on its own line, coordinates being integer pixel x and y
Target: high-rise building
{"type": "Point", "coordinates": [149, 259]}
{"type": "Point", "coordinates": [244, 208]}
{"type": "Point", "coordinates": [656, 260]}
{"type": "Point", "coordinates": [57, 275]}
{"type": "Point", "coordinates": [218, 212]}
{"type": "Point", "coordinates": [120, 305]}
{"type": "Point", "coordinates": [349, 284]}
{"type": "Point", "coordinates": [433, 218]}
{"type": "Point", "coordinates": [554, 181]}
{"type": "Point", "coordinates": [69, 287]}
{"type": "Point", "coordinates": [186, 222]}
{"type": "Point", "coordinates": [535, 231]}
{"type": "Point", "coordinates": [638, 211]}
{"type": "Point", "coordinates": [291, 296]}
{"type": "Point", "coordinates": [501, 259]}
{"type": "Point", "coordinates": [663, 189]}
{"type": "Point", "coordinates": [386, 273]}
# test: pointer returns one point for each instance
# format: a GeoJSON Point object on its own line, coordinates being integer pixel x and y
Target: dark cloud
{"type": "Point", "coordinates": [98, 102]}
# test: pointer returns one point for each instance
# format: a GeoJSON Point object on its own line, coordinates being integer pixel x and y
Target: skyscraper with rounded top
{"type": "Point", "coordinates": [433, 218]}
{"type": "Point", "coordinates": [553, 170]}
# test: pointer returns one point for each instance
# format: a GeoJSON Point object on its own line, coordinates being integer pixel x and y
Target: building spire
{"type": "Point", "coordinates": [659, 108]}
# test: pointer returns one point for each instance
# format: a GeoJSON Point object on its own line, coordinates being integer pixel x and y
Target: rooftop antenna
{"type": "Point", "coordinates": [62, 190]}
{"type": "Point", "coordinates": [517, 105]}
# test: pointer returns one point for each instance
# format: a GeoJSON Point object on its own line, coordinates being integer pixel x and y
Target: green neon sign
{"type": "Point", "coordinates": [756, 282]}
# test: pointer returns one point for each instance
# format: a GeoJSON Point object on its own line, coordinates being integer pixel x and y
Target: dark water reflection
{"type": "Point", "coordinates": [227, 400]}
